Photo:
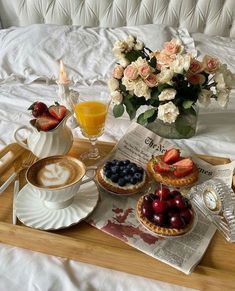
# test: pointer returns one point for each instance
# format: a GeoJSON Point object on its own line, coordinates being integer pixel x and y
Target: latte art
{"type": "Point", "coordinates": [57, 174]}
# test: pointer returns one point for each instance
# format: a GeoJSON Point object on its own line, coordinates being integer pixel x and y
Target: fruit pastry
{"type": "Point", "coordinates": [165, 212]}
{"type": "Point", "coordinates": [122, 177]}
{"type": "Point", "coordinates": [47, 118]}
{"type": "Point", "coordinates": [173, 170]}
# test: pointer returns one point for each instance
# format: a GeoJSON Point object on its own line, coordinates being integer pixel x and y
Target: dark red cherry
{"type": "Point", "coordinates": [176, 221]}
{"type": "Point", "coordinates": [186, 215]}
{"type": "Point", "coordinates": [147, 209]}
{"type": "Point", "coordinates": [163, 193]}
{"type": "Point", "coordinates": [175, 193]}
{"type": "Point", "coordinates": [160, 219]}
{"type": "Point", "coordinates": [159, 206]}
{"type": "Point", "coordinates": [180, 202]}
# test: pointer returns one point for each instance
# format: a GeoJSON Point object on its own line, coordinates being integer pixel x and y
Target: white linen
{"type": "Point", "coordinates": [86, 52]}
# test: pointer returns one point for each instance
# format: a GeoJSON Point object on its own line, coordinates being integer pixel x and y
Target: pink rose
{"type": "Point", "coordinates": [151, 80]}
{"type": "Point", "coordinates": [165, 59]}
{"type": "Point", "coordinates": [118, 72]}
{"type": "Point", "coordinates": [172, 47]}
{"type": "Point", "coordinates": [144, 70]}
{"type": "Point", "coordinates": [195, 67]}
{"type": "Point", "coordinates": [131, 72]}
{"type": "Point", "coordinates": [197, 79]}
{"type": "Point", "coordinates": [211, 64]}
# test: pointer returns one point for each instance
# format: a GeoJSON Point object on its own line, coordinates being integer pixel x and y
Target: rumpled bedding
{"type": "Point", "coordinates": [29, 66]}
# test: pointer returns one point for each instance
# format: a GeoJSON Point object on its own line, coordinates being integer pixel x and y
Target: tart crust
{"type": "Point", "coordinates": [165, 231]}
{"type": "Point", "coordinates": [118, 189]}
{"type": "Point", "coordinates": [169, 178]}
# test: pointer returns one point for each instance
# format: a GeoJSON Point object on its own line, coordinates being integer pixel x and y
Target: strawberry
{"type": "Point", "coordinates": [162, 167]}
{"type": "Point", "coordinates": [171, 156]}
{"type": "Point", "coordinates": [45, 123]}
{"type": "Point", "coordinates": [183, 167]}
{"type": "Point", "coordinates": [58, 111]}
{"type": "Point", "coordinates": [186, 163]}
{"type": "Point", "coordinates": [180, 172]}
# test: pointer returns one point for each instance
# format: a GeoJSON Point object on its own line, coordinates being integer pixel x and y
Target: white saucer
{"type": "Point", "coordinates": [32, 212]}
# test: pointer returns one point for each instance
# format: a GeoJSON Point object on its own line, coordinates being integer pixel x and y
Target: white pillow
{"type": "Point", "coordinates": [34, 51]}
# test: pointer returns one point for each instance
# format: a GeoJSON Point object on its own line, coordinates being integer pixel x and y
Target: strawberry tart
{"type": "Point", "coordinates": [172, 169]}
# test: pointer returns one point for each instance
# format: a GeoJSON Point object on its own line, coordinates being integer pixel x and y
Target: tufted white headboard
{"type": "Point", "coordinates": [213, 17]}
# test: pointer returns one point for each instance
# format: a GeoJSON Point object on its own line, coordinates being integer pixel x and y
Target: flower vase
{"type": "Point", "coordinates": [184, 127]}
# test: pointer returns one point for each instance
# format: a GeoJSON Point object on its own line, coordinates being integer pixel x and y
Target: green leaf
{"type": "Point", "coordinates": [118, 110]}
{"type": "Point", "coordinates": [130, 109]}
{"type": "Point", "coordinates": [141, 120]}
{"type": "Point", "coordinates": [187, 104]}
{"type": "Point", "coordinates": [153, 62]}
{"type": "Point", "coordinates": [149, 113]}
{"type": "Point", "coordinates": [161, 87]}
{"type": "Point", "coordinates": [182, 126]}
{"type": "Point", "coordinates": [153, 117]}
{"type": "Point", "coordinates": [133, 55]}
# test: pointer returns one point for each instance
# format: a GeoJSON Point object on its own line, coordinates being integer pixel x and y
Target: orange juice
{"type": "Point", "coordinates": [91, 117]}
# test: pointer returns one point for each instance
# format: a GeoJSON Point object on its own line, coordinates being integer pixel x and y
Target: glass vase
{"type": "Point", "coordinates": [184, 127]}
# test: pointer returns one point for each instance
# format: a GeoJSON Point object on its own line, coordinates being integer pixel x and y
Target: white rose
{"type": "Point", "coordinates": [113, 84]}
{"type": "Point", "coordinates": [167, 94]}
{"type": "Point", "coordinates": [165, 75]}
{"type": "Point", "coordinates": [168, 112]}
{"type": "Point", "coordinates": [140, 62]}
{"type": "Point", "coordinates": [116, 97]}
{"type": "Point", "coordinates": [129, 84]}
{"type": "Point", "coordinates": [139, 45]}
{"type": "Point", "coordinates": [120, 46]}
{"type": "Point", "coordinates": [130, 42]}
{"type": "Point", "coordinates": [142, 89]}
{"type": "Point", "coordinates": [118, 54]}
{"type": "Point", "coordinates": [205, 97]}
{"type": "Point", "coordinates": [124, 62]}
{"type": "Point", "coordinates": [223, 97]}
{"type": "Point", "coordinates": [224, 78]}
{"type": "Point", "coordinates": [181, 63]}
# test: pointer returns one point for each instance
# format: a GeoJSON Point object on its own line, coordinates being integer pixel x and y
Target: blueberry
{"type": "Point", "coordinates": [139, 170]}
{"type": "Point", "coordinates": [114, 178]}
{"type": "Point", "coordinates": [125, 171]}
{"type": "Point", "coordinates": [133, 169]}
{"type": "Point", "coordinates": [126, 162]}
{"type": "Point", "coordinates": [108, 174]}
{"type": "Point", "coordinates": [127, 178]}
{"type": "Point", "coordinates": [120, 163]}
{"type": "Point", "coordinates": [138, 176]}
{"type": "Point", "coordinates": [115, 169]}
{"type": "Point", "coordinates": [121, 182]}
{"type": "Point", "coordinates": [114, 162]}
{"type": "Point", "coordinates": [133, 181]}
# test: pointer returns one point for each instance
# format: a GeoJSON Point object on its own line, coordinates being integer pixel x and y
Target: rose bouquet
{"type": "Point", "coordinates": [169, 82]}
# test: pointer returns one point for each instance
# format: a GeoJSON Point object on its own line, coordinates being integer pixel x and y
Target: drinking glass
{"type": "Point", "coordinates": [91, 112]}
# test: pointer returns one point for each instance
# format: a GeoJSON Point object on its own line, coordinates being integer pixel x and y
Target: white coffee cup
{"type": "Point", "coordinates": [57, 179]}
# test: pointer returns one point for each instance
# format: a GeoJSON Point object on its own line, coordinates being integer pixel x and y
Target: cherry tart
{"type": "Point", "coordinates": [172, 169]}
{"type": "Point", "coordinates": [122, 177]}
{"type": "Point", "coordinates": [166, 213]}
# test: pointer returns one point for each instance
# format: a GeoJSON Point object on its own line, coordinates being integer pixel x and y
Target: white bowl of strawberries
{"type": "Point", "coordinates": [48, 134]}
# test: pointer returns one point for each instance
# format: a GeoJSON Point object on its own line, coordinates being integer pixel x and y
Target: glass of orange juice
{"type": "Point", "coordinates": [91, 113]}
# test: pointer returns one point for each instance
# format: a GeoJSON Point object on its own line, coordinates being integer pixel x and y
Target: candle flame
{"type": "Point", "coordinates": [63, 76]}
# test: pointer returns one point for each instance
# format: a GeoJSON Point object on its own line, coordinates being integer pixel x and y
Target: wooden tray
{"type": "Point", "coordinates": [85, 243]}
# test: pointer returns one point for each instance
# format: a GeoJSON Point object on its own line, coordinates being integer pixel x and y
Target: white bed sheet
{"type": "Point", "coordinates": [26, 270]}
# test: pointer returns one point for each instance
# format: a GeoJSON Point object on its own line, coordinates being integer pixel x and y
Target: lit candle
{"type": "Point", "coordinates": [63, 76]}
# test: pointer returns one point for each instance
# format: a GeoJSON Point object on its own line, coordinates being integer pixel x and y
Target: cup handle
{"type": "Point", "coordinates": [91, 177]}
{"type": "Point", "coordinates": [17, 138]}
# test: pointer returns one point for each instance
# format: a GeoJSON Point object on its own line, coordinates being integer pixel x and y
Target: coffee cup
{"type": "Point", "coordinates": [57, 179]}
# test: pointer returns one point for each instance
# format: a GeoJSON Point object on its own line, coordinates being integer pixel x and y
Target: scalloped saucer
{"type": "Point", "coordinates": [32, 211]}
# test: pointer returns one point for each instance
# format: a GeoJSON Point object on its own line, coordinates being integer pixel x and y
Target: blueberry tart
{"type": "Point", "coordinates": [122, 177]}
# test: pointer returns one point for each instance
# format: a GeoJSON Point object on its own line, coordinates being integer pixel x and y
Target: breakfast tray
{"type": "Point", "coordinates": [84, 243]}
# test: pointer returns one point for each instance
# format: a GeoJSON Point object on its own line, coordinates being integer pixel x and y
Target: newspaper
{"type": "Point", "coordinates": [116, 214]}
